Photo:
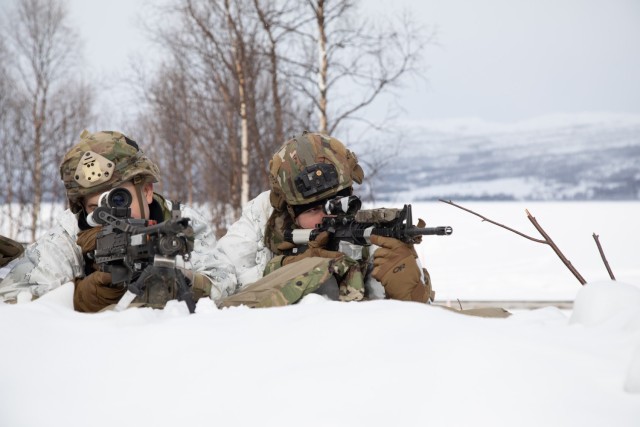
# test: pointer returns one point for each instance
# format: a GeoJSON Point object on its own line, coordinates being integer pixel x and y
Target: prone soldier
{"type": "Point", "coordinates": [305, 173]}
{"type": "Point", "coordinates": [100, 162]}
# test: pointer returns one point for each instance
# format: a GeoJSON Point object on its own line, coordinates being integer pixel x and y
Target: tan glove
{"type": "Point", "coordinates": [87, 239]}
{"type": "Point", "coordinates": [395, 266]}
{"type": "Point", "coordinates": [93, 292]}
{"type": "Point", "coordinates": [316, 248]}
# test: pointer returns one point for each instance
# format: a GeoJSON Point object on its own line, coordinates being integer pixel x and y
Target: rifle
{"type": "Point", "coordinates": [140, 254]}
{"type": "Point", "coordinates": [350, 227]}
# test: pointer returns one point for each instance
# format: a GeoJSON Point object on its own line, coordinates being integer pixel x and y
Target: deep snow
{"type": "Point", "coordinates": [322, 363]}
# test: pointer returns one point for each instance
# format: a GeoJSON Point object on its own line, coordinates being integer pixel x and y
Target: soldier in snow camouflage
{"type": "Point", "coordinates": [305, 172]}
{"type": "Point", "coordinates": [100, 162]}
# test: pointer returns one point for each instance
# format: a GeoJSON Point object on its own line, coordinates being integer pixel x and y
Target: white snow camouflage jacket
{"type": "Point", "coordinates": [56, 259]}
{"type": "Point", "coordinates": [241, 255]}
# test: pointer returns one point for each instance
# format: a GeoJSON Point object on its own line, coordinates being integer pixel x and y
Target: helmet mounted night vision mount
{"type": "Point", "coordinates": [316, 179]}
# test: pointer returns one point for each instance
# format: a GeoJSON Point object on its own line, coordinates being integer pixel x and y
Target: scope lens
{"type": "Point", "coordinates": [342, 205]}
{"type": "Point", "coordinates": [119, 198]}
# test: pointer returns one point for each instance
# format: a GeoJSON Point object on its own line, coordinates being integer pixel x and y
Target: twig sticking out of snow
{"type": "Point", "coordinates": [555, 248]}
{"type": "Point", "coordinates": [449, 202]}
{"type": "Point", "coordinates": [547, 240]}
{"type": "Point", "coordinates": [604, 258]}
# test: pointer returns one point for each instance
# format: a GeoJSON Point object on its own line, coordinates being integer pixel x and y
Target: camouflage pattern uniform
{"type": "Point", "coordinates": [109, 159]}
{"type": "Point", "coordinates": [249, 250]}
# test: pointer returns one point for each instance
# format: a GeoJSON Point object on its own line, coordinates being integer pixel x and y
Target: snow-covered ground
{"type": "Point", "coordinates": [382, 363]}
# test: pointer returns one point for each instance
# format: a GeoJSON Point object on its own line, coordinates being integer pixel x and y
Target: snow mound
{"type": "Point", "coordinates": [608, 301]}
{"type": "Point", "coordinates": [612, 305]}
{"type": "Point", "coordinates": [632, 383]}
{"type": "Point", "coordinates": [61, 296]}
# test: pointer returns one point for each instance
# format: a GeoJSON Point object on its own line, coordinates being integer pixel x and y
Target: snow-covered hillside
{"type": "Point", "coordinates": [575, 157]}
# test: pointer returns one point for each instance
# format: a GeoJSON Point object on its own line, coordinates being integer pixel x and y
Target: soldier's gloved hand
{"type": "Point", "coordinates": [315, 248]}
{"type": "Point", "coordinates": [395, 266]}
{"type": "Point", "coordinates": [87, 239]}
{"type": "Point", "coordinates": [94, 292]}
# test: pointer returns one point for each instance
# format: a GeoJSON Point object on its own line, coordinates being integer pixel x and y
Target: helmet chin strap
{"type": "Point", "coordinates": [141, 200]}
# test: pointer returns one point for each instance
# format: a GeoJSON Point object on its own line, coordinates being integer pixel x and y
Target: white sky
{"type": "Point", "coordinates": [498, 60]}
{"type": "Point", "coordinates": [504, 59]}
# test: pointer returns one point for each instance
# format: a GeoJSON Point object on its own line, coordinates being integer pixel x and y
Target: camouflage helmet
{"type": "Point", "coordinates": [102, 161]}
{"type": "Point", "coordinates": [311, 167]}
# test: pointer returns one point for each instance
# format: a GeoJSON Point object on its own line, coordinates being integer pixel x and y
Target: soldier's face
{"type": "Point", "coordinates": [310, 218]}
{"type": "Point", "coordinates": [91, 202]}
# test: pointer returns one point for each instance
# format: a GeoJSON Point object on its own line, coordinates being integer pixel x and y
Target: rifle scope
{"type": "Point", "coordinates": [116, 202]}
{"type": "Point", "coordinates": [348, 205]}
{"type": "Point", "coordinates": [116, 198]}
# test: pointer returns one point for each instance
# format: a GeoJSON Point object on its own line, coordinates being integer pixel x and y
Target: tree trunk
{"type": "Point", "coordinates": [39, 114]}
{"type": "Point", "coordinates": [323, 66]}
{"type": "Point", "coordinates": [244, 148]}
{"type": "Point", "coordinates": [238, 56]}
{"type": "Point", "coordinates": [273, 64]}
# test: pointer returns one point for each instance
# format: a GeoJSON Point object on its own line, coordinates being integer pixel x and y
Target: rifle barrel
{"type": "Point", "coordinates": [407, 234]}
{"type": "Point", "coordinates": [427, 231]}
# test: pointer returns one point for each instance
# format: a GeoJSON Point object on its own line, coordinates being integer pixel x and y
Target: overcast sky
{"type": "Point", "coordinates": [508, 60]}
{"type": "Point", "coordinates": [498, 60]}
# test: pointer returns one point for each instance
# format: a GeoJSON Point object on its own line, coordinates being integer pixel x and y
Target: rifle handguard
{"type": "Point", "coordinates": [355, 226]}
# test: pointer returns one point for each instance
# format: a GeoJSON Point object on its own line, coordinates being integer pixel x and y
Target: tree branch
{"type": "Point", "coordinates": [555, 248]}
{"type": "Point", "coordinates": [449, 202]}
{"type": "Point", "coordinates": [604, 258]}
{"type": "Point", "coordinates": [547, 239]}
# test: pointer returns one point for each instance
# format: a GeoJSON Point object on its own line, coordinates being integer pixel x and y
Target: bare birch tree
{"type": "Point", "coordinates": [252, 73]}
{"type": "Point", "coordinates": [353, 56]}
{"type": "Point", "coordinates": [44, 49]}
{"type": "Point", "coordinates": [279, 22]}
{"type": "Point", "coordinates": [218, 50]}
{"type": "Point", "coordinates": [8, 164]}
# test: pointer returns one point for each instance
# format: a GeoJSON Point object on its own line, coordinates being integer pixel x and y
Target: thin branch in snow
{"type": "Point", "coordinates": [449, 202]}
{"type": "Point", "coordinates": [555, 248]}
{"type": "Point", "coordinates": [547, 239]}
{"type": "Point", "coordinates": [604, 258]}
